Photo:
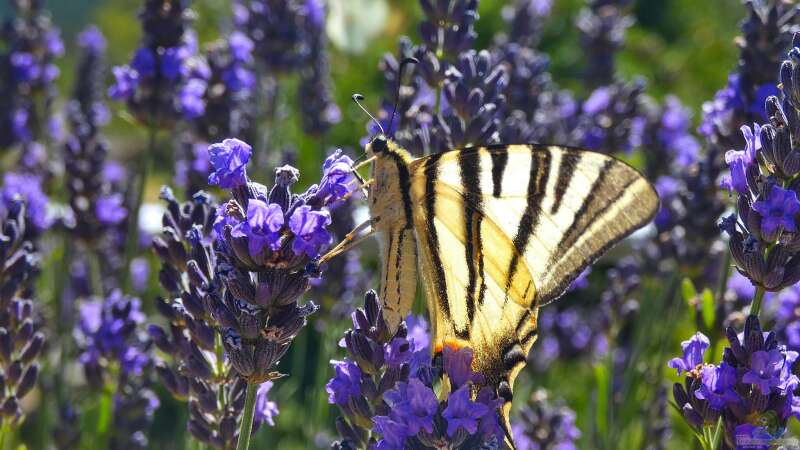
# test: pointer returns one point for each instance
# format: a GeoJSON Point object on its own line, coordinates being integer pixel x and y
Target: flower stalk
{"type": "Point", "coordinates": [246, 427]}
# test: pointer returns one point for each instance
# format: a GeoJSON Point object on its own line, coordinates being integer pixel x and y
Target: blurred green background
{"type": "Point", "coordinates": [681, 47]}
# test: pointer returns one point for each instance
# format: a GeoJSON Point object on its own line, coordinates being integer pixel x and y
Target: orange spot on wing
{"type": "Point", "coordinates": [451, 343]}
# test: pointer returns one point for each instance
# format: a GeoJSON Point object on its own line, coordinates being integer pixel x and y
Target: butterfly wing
{"type": "Point", "coordinates": [399, 275]}
{"type": "Point", "coordinates": [503, 230]}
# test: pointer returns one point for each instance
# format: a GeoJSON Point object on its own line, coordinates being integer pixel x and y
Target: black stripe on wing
{"type": "Point", "coordinates": [431, 174]}
{"type": "Point", "coordinates": [499, 162]}
{"type": "Point", "coordinates": [470, 168]}
{"type": "Point", "coordinates": [537, 180]}
{"type": "Point", "coordinates": [566, 170]}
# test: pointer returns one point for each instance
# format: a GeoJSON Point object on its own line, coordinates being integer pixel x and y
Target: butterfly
{"type": "Point", "coordinates": [494, 233]}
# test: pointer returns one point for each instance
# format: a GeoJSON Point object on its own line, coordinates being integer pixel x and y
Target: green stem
{"type": "Point", "coordinates": [247, 417]}
{"type": "Point", "coordinates": [63, 319]}
{"type": "Point", "coordinates": [757, 298]}
{"type": "Point", "coordinates": [143, 169]}
{"type": "Point", "coordinates": [220, 368]}
{"type": "Point", "coordinates": [716, 438]}
{"type": "Point", "coordinates": [724, 274]}
{"type": "Point", "coordinates": [4, 431]}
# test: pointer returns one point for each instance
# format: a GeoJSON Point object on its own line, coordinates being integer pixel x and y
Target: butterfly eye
{"type": "Point", "coordinates": [379, 144]}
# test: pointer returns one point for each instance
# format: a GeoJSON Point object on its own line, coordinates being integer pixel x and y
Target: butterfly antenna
{"type": "Point", "coordinates": [358, 160]}
{"type": "Point", "coordinates": [403, 64]}
{"type": "Point", "coordinates": [357, 99]}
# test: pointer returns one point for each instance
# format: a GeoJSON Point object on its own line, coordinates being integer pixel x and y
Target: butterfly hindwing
{"type": "Point", "coordinates": [399, 275]}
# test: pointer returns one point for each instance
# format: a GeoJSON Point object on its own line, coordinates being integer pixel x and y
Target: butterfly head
{"type": "Point", "coordinates": [379, 145]}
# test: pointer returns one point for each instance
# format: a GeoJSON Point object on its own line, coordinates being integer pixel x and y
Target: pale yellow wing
{"type": "Point", "coordinates": [399, 273]}
{"type": "Point", "coordinates": [502, 230]}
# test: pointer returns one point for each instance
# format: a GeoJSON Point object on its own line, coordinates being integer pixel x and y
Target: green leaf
{"type": "Point", "coordinates": [689, 294]}
{"type": "Point", "coordinates": [601, 414]}
{"type": "Point", "coordinates": [688, 290]}
{"type": "Point", "coordinates": [717, 435]}
{"type": "Point", "coordinates": [709, 314]}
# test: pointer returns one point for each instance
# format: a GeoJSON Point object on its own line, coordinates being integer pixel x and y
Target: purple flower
{"type": "Point", "coordinates": [238, 78]}
{"type": "Point", "coordinates": [693, 351]}
{"type": "Point", "coordinates": [109, 209]}
{"type": "Point", "coordinates": [50, 73]}
{"type": "Point", "coordinates": [113, 172]}
{"type": "Point", "coordinates": [765, 369]}
{"type": "Point", "coordinates": [489, 425]}
{"type": "Point", "coordinates": [222, 220]}
{"type": "Point", "coordinates": [315, 11]}
{"type": "Point", "coordinates": [172, 62]}
{"type": "Point", "coordinates": [262, 227]}
{"type": "Point", "coordinates": [337, 176]}
{"type": "Point", "coordinates": [458, 365]}
{"type": "Point", "coordinates": [752, 139]}
{"type": "Point", "coordinates": [126, 81]}
{"type": "Point", "coordinates": [19, 125]}
{"type": "Point", "coordinates": [229, 159]}
{"type": "Point", "coordinates": [778, 210]}
{"type": "Point", "coordinates": [717, 385]}
{"type": "Point", "coordinates": [266, 409]}
{"type": "Point", "coordinates": [738, 162]}
{"type": "Point", "coordinates": [140, 273]}
{"type": "Point", "coordinates": [597, 101]}
{"type": "Point", "coordinates": [582, 282]}
{"type": "Point", "coordinates": [345, 384]}
{"type": "Point", "coordinates": [144, 62]}
{"type": "Point", "coordinates": [461, 412]}
{"type": "Point", "coordinates": [397, 352]}
{"type": "Point", "coordinates": [55, 128]}
{"type": "Point", "coordinates": [92, 39]}
{"type": "Point", "coordinates": [54, 43]}
{"type": "Point", "coordinates": [309, 230]}
{"type": "Point", "coordinates": [741, 286]}
{"type": "Point", "coordinates": [26, 68]}
{"type": "Point", "coordinates": [191, 98]}
{"type": "Point", "coordinates": [241, 47]}
{"type": "Point", "coordinates": [414, 405]}
{"type": "Point", "coordinates": [107, 330]}
{"type": "Point", "coordinates": [394, 433]}
{"type": "Point", "coordinates": [418, 334]}
{"type": "Point", "coordinates": [29, 189]}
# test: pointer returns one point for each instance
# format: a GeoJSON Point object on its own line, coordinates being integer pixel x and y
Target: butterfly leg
{"type": "Point", "coordinates": [350, 240]}
{"type": "Point", "coordinates": [362, 188]}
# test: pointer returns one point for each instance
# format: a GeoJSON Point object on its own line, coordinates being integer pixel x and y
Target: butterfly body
{"type": "Point", "coordinates": [495, 232]}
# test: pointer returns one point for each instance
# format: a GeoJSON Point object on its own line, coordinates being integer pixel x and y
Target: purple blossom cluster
{"type": "Point", "coordinates": [27, 76]}
{"type": "Point", "coordinates": [391, 396]}
{"type": "Point", "coordinates": [166, 78]}
{"type": "Point", "coordinates": [21, 341]}
{"type": "Point", "coordinates": [766, 34]}
{"type": "Point", "coordinates": [762, 233]}
{"type": "Point", "coordinates": [27, 188]}
{"type": "Point", "coordinates": [197, 370]}
{"type": "Point", "coordinates": [98, 212]}
{"type": "Point", "coordinates": [215, 101]}
{"type": "Point", "coordinates": [545, 425]}
{"type": "Point", "coordinates": [289, 38]}
{"type": "Point", "coordinates": [116, 354]}
{"type": "Point", "coordinates": [752, 390]}
{"type": "Point", "coordinates": [266, 245]}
